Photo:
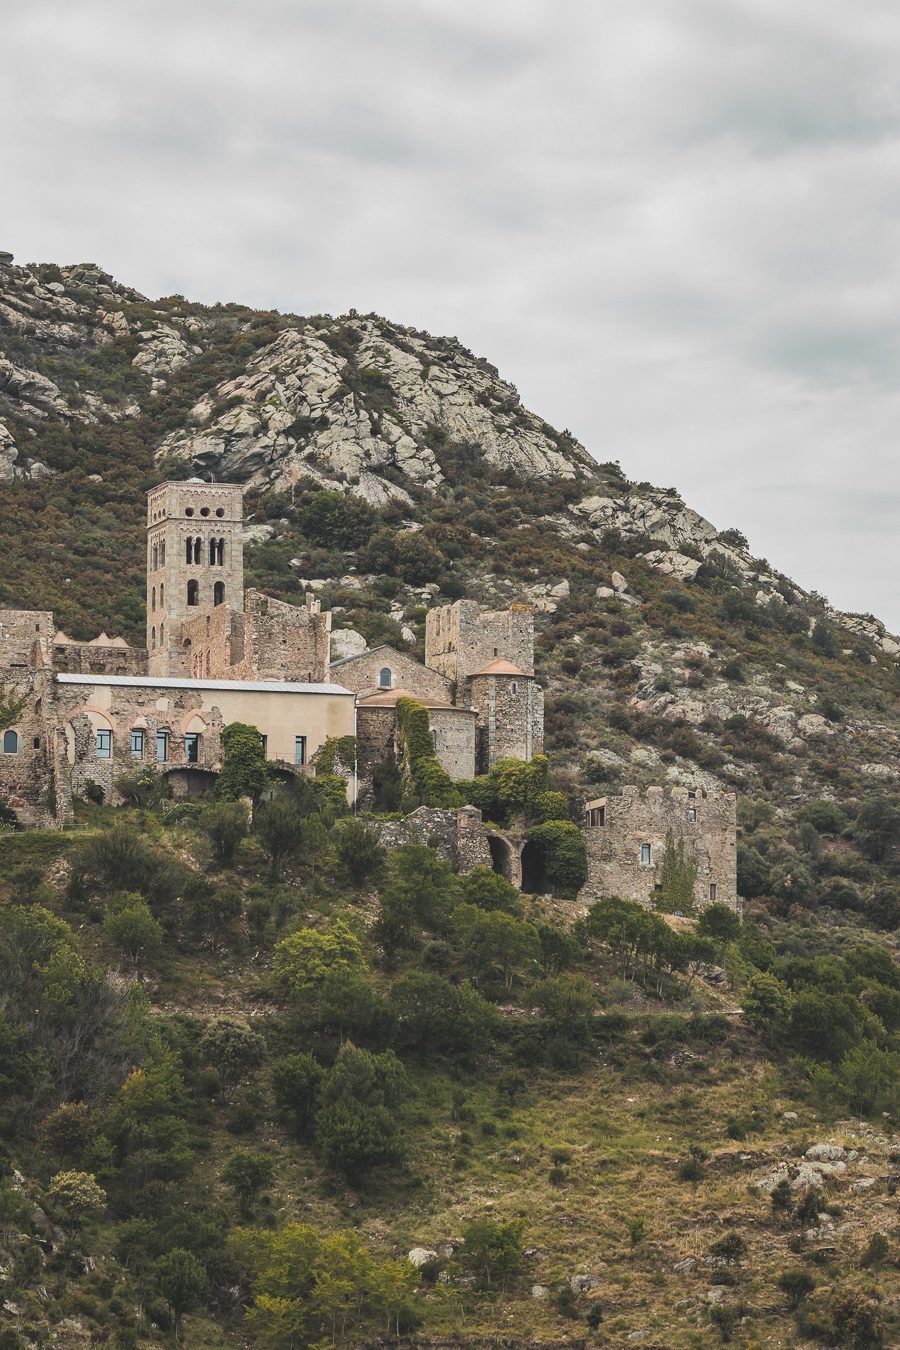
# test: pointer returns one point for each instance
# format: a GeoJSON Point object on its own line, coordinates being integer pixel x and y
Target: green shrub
{"type": "Point", "coordinates": [562, 847]}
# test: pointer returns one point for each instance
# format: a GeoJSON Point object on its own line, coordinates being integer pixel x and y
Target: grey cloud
{"type": "Point", "coordinates": [672, 225]}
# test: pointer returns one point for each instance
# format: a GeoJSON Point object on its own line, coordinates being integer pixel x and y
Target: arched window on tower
{"type": "Point", "coordinates": [219, 593]}
{"type": "Point", "coordinates": [220, 552]}
{"type": "Point", "coordinates": [153, 600]}
{"type": "Point", "coordinates": [188, 550]}
{"type": "Point", "coordinates": [385, 678]}
{"type": "Point", "coordinates": [162, 552]}
{"type": "Point", "coordinates": [162, 634]}
{"type": "Point", "coordinates": [193, 593]}
{"type": "Point", "coordinates": [198, 550]}
{"type": "Point", "coordinates": [162, 595]}
{"type": "Point", "coordinates": [212, 552]}
{"type": "Point", "coordinates": [155, 562]}
{"type": "Point", "coordinates": [152, 637]}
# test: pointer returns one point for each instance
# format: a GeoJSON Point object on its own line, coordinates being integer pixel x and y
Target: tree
{"type": "Point", "coordinates": [225, 825]}
{"type": "Point", "coordinates": [244, 771]}
{"type": "Point", "coordinates": [75, 1195]}
{"type": "Point", "coordinates": [296, 1080]}
{"type": "Point", "coordinates": [418, 893]}
{"type": "Point", "coordinates": [796, 1284]}
{"type": "Point", "coordinates": [277, 822]}
{"type": "Point", "coordinates": [234, 1048]}
{"type": "Point", "coordinates": [129, 925]}
{"type": "Point", "coordinates": [359, 850]}
{"type": "Point", "coordinates": [350, 1002]}
{"type": "Point", "coordinates": [210, 906]}
{"type": "Point", "coordinates": [877, 828]}
{"type": "Point", "coordinates": [563, 849]}
{"type": "Point", "coordinates": [437, 1017]}
{"type": "Point", "coordinates": [304, 958]}
{"type": "Point", "coordinates": [182, 1281]}
{"type": "Point", "coordinates": [247, 1173]}
{"type": "Point", "coordinates": [12, 706]}
{"type": "Point", "coordinates": [719, 923]}
{"type": "Point", "coordinates": [354, 1139]}
{"type": "Point", "coordinates": [488, 890]}
{"type": "Point", "coordinates": [560, 949]}
{"type": "Point", "coordinates": [568, 1003]}
{"type": "Point", "coordinates": [496, 941]}
{"type": "Point", "coordinates": [677, 877]}
{"type": "Point", "coordinates": [767, 1005]}
{"type": "Point", "coordinates": [824, 1025]}
{"type": "Point", "coordinates": [494, 1249]}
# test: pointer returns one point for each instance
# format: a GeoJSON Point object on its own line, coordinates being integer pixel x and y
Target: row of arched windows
{"type": "Point", "coordinates": [193, 593]}
{"type": "Point", "coordinates": [162, 597]}
{"type": "Point", "coordinates": [162, 636]}
{"type": "Point", "coordinates": [158, 555]}
{"type": "Point", "coordinates": [193, 551]}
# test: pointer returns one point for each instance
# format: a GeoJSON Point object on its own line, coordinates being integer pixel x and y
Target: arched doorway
{"type": "Point", "coordinates": [534, 871]}
{"type": "Point", "coordinates": [501, 856]}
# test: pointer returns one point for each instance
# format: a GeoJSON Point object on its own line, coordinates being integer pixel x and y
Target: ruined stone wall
{"type": "Point", "coordinates": [462, 638]}
{"type": "Point", "coordinates": [213, 644]}
{"type": "Point", "coordinates": [510, 718]}
{"type": "Point", "coordinates": [26, 637]}
{"type": "Point", "coordinates": [362, 673]}
{"type": "Point", "coordinates": [457, 835]}
{"type": "Point", "coordinates": [87, 658]}
{"type": "Point", "coordinates": [376, 731]}
{"type": "Point", "coordinates": [28, 775]}
{"type": "Point", "coordinates": [634, 819]}
{"type": "Point", "coordinates": [454, 740]}
{"type": "Point", "coordinates": [286, 642]}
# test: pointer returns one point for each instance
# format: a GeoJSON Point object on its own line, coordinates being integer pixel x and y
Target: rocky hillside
{"type": "Point", "coordinates": [677, 652]}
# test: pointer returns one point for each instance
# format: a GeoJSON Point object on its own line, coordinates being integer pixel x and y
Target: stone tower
{"type": "Point", "coordinates": [195, 563]}
{"type": "Point", "coordinates": [462, 638]}
{"type": "Point", "coordinates": [488, 655]}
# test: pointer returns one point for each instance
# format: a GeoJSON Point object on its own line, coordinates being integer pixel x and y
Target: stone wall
{"type": "Point", "coordinates": [28, 776]}
{"type": "Point", "coordinates": [462, 638]}
{"type": "Point", "coordinates": [92, 658]}
{"type": "Point", "coordinates": [362, 673]}
{"type": "Point", "coordinates": [510, 718]}
{"type": "Point", "coordinates": [707, 824]}
{"type": "Point", "coordinates": [457, 835]}
{"type": "Point", "coordinates": [26, 637]}
{"type": "Point", "coordinates": [268, 640]}
{"type": "Point", "coordinates": [454, 740]}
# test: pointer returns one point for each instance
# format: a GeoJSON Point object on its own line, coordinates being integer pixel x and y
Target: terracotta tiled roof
{"type": "Point", "coordinates": [501, 667]}
{"type": "Point", "coordinates": [387, 698]}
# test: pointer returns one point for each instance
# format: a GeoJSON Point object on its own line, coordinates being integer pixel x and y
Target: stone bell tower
{"type": "Point", "coordinates": [195, 562]}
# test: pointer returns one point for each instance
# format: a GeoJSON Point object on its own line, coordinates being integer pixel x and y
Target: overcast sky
{"type": "Point", "coordinates": [673, 224]}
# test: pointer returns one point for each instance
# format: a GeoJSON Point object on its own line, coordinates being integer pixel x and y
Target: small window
{"type": "Point", "coordinates": [36, 743]}
{"type": "Point", "coordinates": [137, 745]}
{"type": "Point", "coordinates": [385, 678]}
{"type": "Point", "coordinates": [596, 817]}
{"type": "Point", "coordinates": [219, 593]}
{"type": "Point", "coordinates": [204, 510]}
{"type": "Point", "coordinates": [646, 855]}
{"type": "Point", "coordinates": [153, 599]}
{"type": "Point", "coordinates": [220, 511]}
{"type": "Point", "coordinates": [264, 742]}
{"type": "Point", "coordinates": [434, 738]}
{"type": "Point", "coordinates": [193, 593]}
{"type": "Point", "coordinates": [189, 550]}
{"type": "Point", "coordinates": [495, 651]}
{"type": "Point", "coordinates": [713, 892]}
{"type": "Point", "coordinates": [10, 742]}
{"type": "Point", "coordinates": [152, 637]}
{"type": "Point", "coordinates": [189, 511]}
{"type": "Point", "coordinates": [692, 815]}
{"type": "Point", "coordinates": [192, 747]}
{"type": "Point", "coordinates": [104, 744]}
{"type": "Point", "coordinates": [514, 687]}
{"type": "Point", "coordinates": [162, 553]}
{"type": "Point", "coordinates": [299, 749]}
{"type": "Point", "coordinates": [162, 595]}
{"type": "Point", "coordinates": [162, 634]}
{"type": "Point", "coordinates": [162, 746]}
{"type": "Point", "coordinates": [692, 793]}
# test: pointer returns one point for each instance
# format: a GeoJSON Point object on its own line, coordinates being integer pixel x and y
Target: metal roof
{"type": "Point", "coordinates": [245, 686]}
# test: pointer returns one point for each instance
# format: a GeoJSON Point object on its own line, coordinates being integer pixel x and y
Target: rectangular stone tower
{"type": "Point", "coordinates": [463, 638]}
{"type": "Point", "coordinates": [195, 563]}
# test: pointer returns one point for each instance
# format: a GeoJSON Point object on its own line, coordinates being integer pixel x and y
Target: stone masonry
{"type": "Point", "coordinates": [626, 838]}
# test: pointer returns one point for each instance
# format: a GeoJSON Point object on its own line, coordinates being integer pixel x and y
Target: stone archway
{"type": "Point", "coordinates": [501, 856]}
{"type": "Point", "coordinates": [188, 783]}
{"type": "Point", "coordinates": [534, 871]}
